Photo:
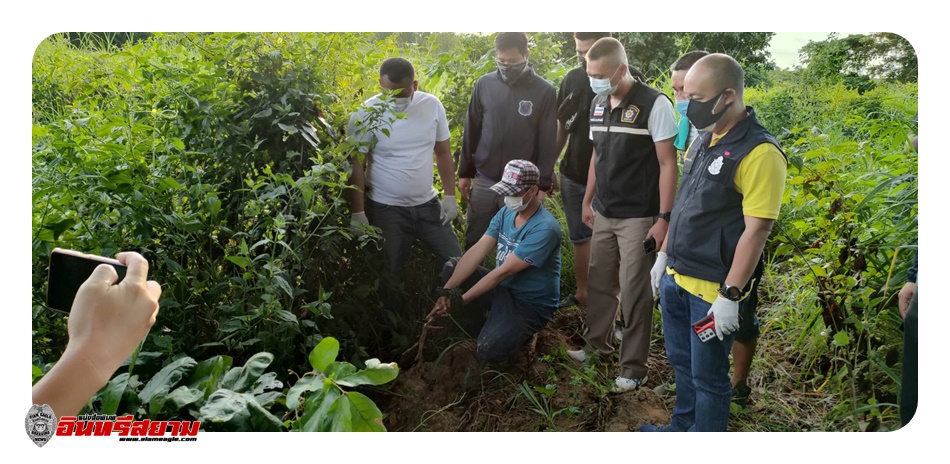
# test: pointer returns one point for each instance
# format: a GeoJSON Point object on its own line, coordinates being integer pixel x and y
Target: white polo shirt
{"type": "Point", "coordinates": [399, 171]}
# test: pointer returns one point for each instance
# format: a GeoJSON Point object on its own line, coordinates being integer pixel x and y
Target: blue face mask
{"type": "Point", "coordinates": [681, 106]}
{"type": "Point", "coordinates": [602, 87]}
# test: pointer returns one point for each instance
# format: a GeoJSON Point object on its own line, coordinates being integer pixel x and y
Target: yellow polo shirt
{"type": "Point", "coordinates": [760, 179]}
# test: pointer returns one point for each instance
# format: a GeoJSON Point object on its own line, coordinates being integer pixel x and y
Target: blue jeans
{"type": "Point", "coordinates": [703, 388]}
{"type": "Point", "coordinates": [509, 323]}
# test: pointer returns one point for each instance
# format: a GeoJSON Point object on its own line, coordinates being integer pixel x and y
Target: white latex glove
{"type": "Point", "coordinates": [726, 313]}
{"type": "Point", "coordinates": [450, 209]}
{"type": "Point", "coordinates": [357, 220]}
{"type": "Point", "coordinates": [659, 268]}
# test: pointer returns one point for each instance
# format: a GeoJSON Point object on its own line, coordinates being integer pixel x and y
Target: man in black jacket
{"type": "Point", "coordinates": [512, 115]}
{"type": "Point", "coordinates": [573, 130]}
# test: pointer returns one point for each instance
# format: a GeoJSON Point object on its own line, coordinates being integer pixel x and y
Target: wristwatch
{"type": "Point", "coordinates": [665, 216]}
{"type": "Point", "coordinates": [730, 292]}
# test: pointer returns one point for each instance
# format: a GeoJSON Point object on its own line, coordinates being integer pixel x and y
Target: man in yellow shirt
{"type": "Point", "coordinates": [729, 197]}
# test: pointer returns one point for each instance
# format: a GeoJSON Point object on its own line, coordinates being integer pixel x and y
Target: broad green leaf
{"type": "Point", "coordinates": [177, 143]}
{"type": "Point", "coordinates": [239, 260]}
{"type": "Point", "coordinates": [240, 379]}
{"type": "Point", "coordinates": [167, 378]}
{"type": "Point", "coordinates": [324, 353]}
{"type": "Point", "coordinates": [172, 183]}
{"type": "Point", "coordinates": [37, 373]}
{"type": "Point", "coordinates": [157, 402]}
{"type": "Point", "coordinates": [183, 396]}
{"type": "Point", "coordinates": [316, 407]}
{"type": "Point", "coordinates": [263, 113]}
{"type": "Point", "coordinates": [339, 370]}
{"type": "Point", "coordinates": [287, 128]}
{"type": "Point", "coordinates": [261, 419]}
{"type": "Point", "coordinates": [227, 407]}
{"type": "Point", "coordinates": [367, 417]}
{"type": "Point", "coordinates": [841, 338]}
{"type": "Point", "coordinates": [341, 415]}
{"type": "Point", "coordinates": [266, 382]}
{"type": "Point", "coordinates": [284, 285]}
{"type": "Point", "coordinates": [307, 383]}
{"type": "Point", "coordinates": [382, 373]}
{"type": "Point", "coordinates": [111, 394]}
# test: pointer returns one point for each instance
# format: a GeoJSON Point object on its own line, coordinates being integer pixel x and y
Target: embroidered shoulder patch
{"type": "Point", "coordinates": [630, 114]}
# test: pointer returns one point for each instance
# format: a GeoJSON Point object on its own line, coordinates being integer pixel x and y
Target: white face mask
{"type": "Point", "coordinates": [516, 204]}
{"type": "Point", "coordinates": [400, 104]}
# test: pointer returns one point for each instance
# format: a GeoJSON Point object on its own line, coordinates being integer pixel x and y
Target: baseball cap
{"type": "Point", "coordinates": [519, 175]}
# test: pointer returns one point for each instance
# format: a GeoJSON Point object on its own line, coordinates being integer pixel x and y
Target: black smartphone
{"type": "Point", "coordinates": [649, 245]}
{"type": "Point", "coordinates": [68, 269]}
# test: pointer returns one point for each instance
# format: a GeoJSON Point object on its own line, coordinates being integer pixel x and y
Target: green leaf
{"type": "Point", "coordinates": [324, 353]}
{"type": "Point", "coordinates": [111, 394]}
{"type": "Point", "coordinates": [307, 383]}
{"type": "Point", "coordinates": [263, 113]}
{"type": "Point", "coordinates": [183, 396]}
{"type": "Point", "coordinates": [317, 406]}
{"type": "Point", "coordinates": [383, 373]}
{"type": "Point", "coordinates": [287, 128]}
{"type": "Point", "coordinates": [284, 285]}
{"type": "Point", "coordinates": [366, 416]}
{"type": "Point", "coordinates": [341, 415]}
{"type": "Point", "coordinates": [241, 261]}
{"type": "Point", "coordinates": [228, 408]}
{"type": "Point", "coordinates": [177, 143]}
{"type": "Point", "coordinates": [339, 370]}
{"type": "Point", "coordinates": [166, 378]}
{"type": "Point", "coordinates": [841, 339]}
{"type": "Point", "coordinates": [37, 373]}
{"type": "Point", "coordinates": [157, 402]}
{"type": "Point", "coordinates": [241, 379]}
{"type": "Point", "coordinates": [171, 183]}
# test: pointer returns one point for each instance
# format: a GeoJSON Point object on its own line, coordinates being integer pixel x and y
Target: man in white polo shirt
{"type": "Point", "coordinates": [394, 191]}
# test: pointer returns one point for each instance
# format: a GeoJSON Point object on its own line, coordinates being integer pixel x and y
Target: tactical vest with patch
{"type": "Point", "coordinates": [707, 218]}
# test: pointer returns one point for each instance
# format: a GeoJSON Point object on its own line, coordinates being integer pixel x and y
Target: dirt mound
{"type": "Point", "coordinates": [541, 390]}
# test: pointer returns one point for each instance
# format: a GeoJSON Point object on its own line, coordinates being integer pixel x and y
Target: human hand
{"type": "Point", "coordinates": [441, 308]}
{"type": "Point", "coordinates": [107, 321]}
{"type": "Point", "coordinates": [656, 273]}
{"type": "Point", "coordinates": [587, 214]}
{"type": "Point", "coordinates": [904, 297]}
{"type": "Point", "coordinates": [450, 209]}
{"type": "Point", "coordinates": [465, 187]}
{"type": "Point", "coordinates": [658, 232]}
{"type": "Point", "coordinates": [726, 314]}
{"type": "Point", "coordinates": [357, 221]}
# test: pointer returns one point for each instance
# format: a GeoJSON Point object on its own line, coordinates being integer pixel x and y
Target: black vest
{"type": "Point", "coordinates": [627, 171]}
{"type": "Point", "coordinates": [707, 218]}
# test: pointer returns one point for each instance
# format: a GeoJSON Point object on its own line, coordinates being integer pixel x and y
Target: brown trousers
{"type": "Point", "coordinates": [618, 266]}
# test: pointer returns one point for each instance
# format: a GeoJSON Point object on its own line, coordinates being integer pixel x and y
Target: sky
{"type": "Point", "coordinates": [785, 45]}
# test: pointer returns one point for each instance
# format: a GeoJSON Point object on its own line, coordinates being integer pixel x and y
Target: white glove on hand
{"type": "Point", "coordinates": [726, 313]}
{"type": "Point", "coordinates": [450, 209]}
{"type": "Point", "coordinates": [659, 268]}
{"type": "Point", "coordinates": [358, 219]}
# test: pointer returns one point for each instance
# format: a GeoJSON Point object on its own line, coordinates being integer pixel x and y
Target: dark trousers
{"type": "Point", "coordinates": [503, 323]}
{"type": "Point", "coordinates": [401, 226]}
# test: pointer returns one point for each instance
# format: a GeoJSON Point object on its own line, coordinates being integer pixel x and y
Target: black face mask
{"type": "Point", "coordinates": [701, 115]}
{"type": "Point", "coordinates": [511, 72]}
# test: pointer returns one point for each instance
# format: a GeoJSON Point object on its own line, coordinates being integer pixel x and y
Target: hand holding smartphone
{"type": "Point", "coordinates": [705, 328]}
{"type": "Point", "coordinates": [68, 269]}
{"type": "Point", "coordinates": [649, 245]}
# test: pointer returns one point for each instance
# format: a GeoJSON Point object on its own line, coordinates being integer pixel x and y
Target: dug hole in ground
{"type": "Point", "coordinates": [543, 389]}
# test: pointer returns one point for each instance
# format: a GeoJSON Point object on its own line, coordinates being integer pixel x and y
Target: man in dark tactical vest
{"type": "Point", "coordinates": [630, 189]}
{"type": "Point", "coordinates": [728, 199]}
